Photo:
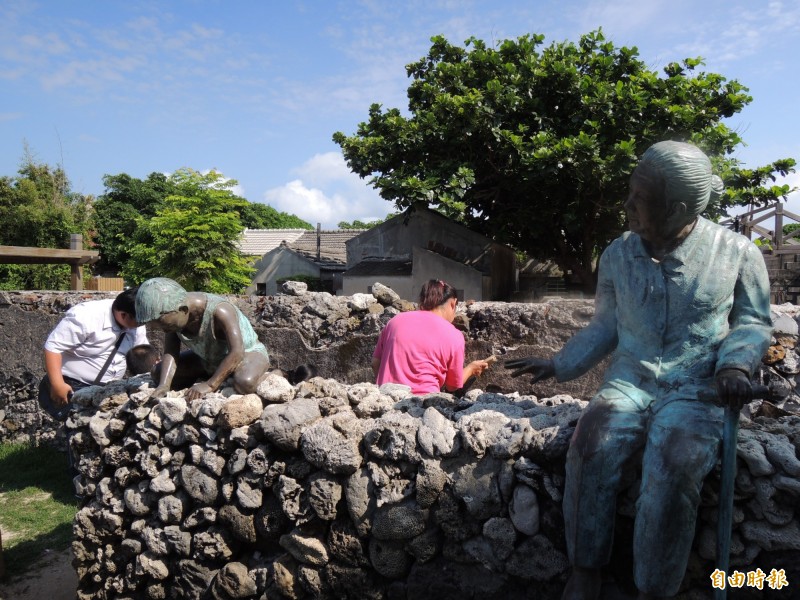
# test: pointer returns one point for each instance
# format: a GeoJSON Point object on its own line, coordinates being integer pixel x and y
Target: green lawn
{"type": "Point", "coordinates": [37, 504]}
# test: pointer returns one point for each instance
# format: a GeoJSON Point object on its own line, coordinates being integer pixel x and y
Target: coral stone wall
{"type": "Point", "coordinates": [335, 333]}
{"type": "Point", "coordinates": [327, 490]}
{"type": "Point", "coordinates": [338, 489]}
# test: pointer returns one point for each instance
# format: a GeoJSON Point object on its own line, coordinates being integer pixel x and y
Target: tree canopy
{"type": "Point", "coordinates": [129, 202]}
{"type": "Point", "coordinates": [119, 210]}
{"type": "Point", "coordinates": [38, 208]}
{"type": "Point", "coordinates": [192, 238]}
{"type": "Point", "coordinates": [185, 226]}
{"type": "Point", "coordinates": [534, 145]}
{"type": "Point", "coordinates": [263, 216]}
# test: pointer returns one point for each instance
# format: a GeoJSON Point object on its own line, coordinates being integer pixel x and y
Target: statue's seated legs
{"type": "Point", "coordinates": [680, 441]}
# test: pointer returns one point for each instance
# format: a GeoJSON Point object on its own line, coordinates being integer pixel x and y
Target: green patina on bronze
{"type": "Point", "coordinates": [158, 296]}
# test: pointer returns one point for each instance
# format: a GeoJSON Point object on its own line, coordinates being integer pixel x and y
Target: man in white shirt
{"type": "Point", "coordinates": [87, 347]}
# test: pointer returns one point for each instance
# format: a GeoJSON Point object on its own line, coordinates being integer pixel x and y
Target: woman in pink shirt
{"type": "Point", "coordinates": [422, 349]}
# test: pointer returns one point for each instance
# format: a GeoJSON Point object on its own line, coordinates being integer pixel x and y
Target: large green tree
{"type": "Point", "coordinates": [192, 237]}
{"type": "Point", "coordinates": [38, 208]}
{"type": "Point", "coordinates": [534, 145]}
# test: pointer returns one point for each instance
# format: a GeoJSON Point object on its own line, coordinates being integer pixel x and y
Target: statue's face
{"type": "Point", "coordinates": [173, 321]}
{"type": "Point", "coordinates": [646, 210]}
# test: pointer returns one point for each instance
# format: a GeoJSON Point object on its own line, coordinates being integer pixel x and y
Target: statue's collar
{"type": "Point", "coordinates": [684, 250]}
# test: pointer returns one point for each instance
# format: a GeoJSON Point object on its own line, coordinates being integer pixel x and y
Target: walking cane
{"type": "Point", "coordinates": [730, 432]}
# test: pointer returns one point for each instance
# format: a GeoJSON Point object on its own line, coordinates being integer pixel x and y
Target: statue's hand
{"type": "Point", "coordinates": [540, 368]}
{"type": "Point", "coordinates": [734, 388]}
{"type": "Point", "coordinates": [198, 390]}
{"type": "Point", "coordinates": [159, 392]}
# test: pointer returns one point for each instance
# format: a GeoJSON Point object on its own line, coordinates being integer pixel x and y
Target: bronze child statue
{"type": "Point", "coordinates": [220, 339]}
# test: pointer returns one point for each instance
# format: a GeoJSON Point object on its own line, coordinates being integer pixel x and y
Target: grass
{"type": "Point", "coordinates": [37, 504]}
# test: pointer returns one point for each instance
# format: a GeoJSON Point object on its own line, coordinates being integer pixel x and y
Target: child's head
{"type": "Point", "coordinates": [141, 359]}
{"type": "Point", "coordinates": [158, 296]}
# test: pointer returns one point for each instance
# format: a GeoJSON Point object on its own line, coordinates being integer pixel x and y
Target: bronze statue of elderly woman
{"type": "Point", "coordinates": [682, 306]}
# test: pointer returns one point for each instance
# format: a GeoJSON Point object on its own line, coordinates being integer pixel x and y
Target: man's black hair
{"type": "Point", "coordinates": [126, 301]}
{"type": "Point", "coordinates": [141, 359]}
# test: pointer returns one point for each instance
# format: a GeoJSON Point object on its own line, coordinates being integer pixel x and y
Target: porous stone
{"type": "Point", "coordinates": [201, 486]}
{"type": "Point", "coordinates": [524, 510]}
{"type": "Point", "coordinates": [389, 558]}
{"type": "Point", "coordinates": [162, 483]}
{"type": "Point", "coordinates": [361, 302]}
{"type": "Point", "coordinates": [324, 495]}
{"type": "Point", "coordinates": [294, 288]}
{"type": "Point", "coordinates": [283, 424]}
{"type": "Point", "coordinates": [275, 388]}
{"type": "Point", "coordinates": [178, 541]}
{"type": "Point", "coordinates": [170, 509]}
{"type": "Point", "coordinates": [248, 492]}
{"type": "Point", "coordinates": [172, 411]}
{"type": "Point", "coordinates": [327, 448]}
{"type": "Point", "coordinates": [305, 548]}
{"type": "Point", "coordinates": [398, 522]}
{"type": "Point", "coordinates": [437, 435]}
{"type": "Point", "coordinates": [771, 537]}
{"type": "Point", "coordinates": [393, 437]}
{"type": "Point", "coordinates": [476, 484]}
{"type": "Point", "coordinates": [234, 581]}
{"type": "Point", "coordinates": [241, 523]}
{"type": "Point", "coordinates": [536, 558]}
{"type": "Point", "coordinates": [361, 501]}
{"type": "Point", "coordinates": [192, 579]}
{"type": "Point", "coordinates": [239, 412]}
{"type": "Point", "coordinates": [147, 564]}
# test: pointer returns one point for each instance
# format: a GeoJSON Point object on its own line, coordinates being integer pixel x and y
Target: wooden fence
{"type": "Point", "coordinates": [106, 284]}
{"type": "Point", "coordinates": [76, 257]}
{"type": "Point", "coordinates": [781, 250]}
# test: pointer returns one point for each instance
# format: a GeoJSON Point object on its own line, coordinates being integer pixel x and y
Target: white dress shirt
{"type": "Point", "coordinates": [86, 336]}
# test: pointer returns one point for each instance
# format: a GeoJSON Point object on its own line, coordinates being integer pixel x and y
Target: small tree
{"type": "Point", "coordinates": [193, 237]}
{"type": "Point", "coordinates": [128, 200]}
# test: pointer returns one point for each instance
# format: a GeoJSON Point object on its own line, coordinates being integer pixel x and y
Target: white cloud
{"type": "Point", "coordinates": [323, 168]}
{"type": "Point", "coordinates": [327, 192]}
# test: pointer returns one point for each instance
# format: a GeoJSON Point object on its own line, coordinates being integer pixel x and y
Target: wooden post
{"type": "Point", "coordinates": [777, 235]}
{"type": "Point", "coordinates": [76, 279]}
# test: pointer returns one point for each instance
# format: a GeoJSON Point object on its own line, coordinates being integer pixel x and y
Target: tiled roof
{"type": "Point", "coordinates": [332, 251]}
{"type": "Point", "coordinates": [257, 242]}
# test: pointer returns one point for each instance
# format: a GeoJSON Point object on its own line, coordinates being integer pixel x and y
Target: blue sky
{"type": "Point", "coordinates": [255, 89]}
